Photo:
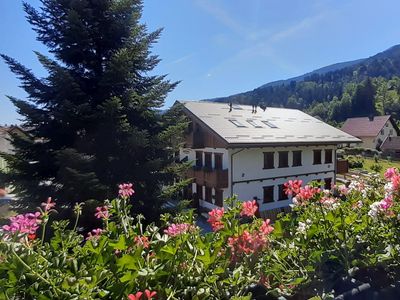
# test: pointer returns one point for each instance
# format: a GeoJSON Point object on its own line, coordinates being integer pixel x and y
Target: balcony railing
{"type": "Point", "coordinates": [209, 177]}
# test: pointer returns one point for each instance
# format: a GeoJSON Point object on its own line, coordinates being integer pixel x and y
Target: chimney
{"type": "Point", "coordinates": [371, 118]}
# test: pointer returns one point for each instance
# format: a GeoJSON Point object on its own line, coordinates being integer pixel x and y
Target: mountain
{"type": "Point", "coordinates": [340, 88]}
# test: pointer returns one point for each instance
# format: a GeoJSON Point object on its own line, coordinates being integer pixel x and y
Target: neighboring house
{"type": "Point", "coordinates": [252, 154]}
{"type": "Point", "coordinates": [391, 146]}
{"type": "Point", "coordinates": [371, 130]}
{"type": "Point", "coordinates": [5, 145]}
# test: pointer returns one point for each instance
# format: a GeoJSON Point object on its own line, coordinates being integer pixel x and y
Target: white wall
{"type": "Point", "coordinates": [249, 177]}
{"type": "Point", "coordinates": [5, 146]}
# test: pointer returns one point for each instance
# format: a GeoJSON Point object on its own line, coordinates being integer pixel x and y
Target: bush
{"type": "Point", "coordinates": [355, 162]}
{"type": "Point", "coordinates": [329, 235]}
{"type": "Point", "coordinates": [376, 168]}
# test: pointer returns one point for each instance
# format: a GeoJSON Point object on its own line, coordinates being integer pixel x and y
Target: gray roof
{"type": "Point", "coordinates": [272, 126]}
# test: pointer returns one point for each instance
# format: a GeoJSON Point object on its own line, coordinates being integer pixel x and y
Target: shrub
{"type": "Point", "coordinates": [355, 162]}
{"type": "Point", "coordinates": [376, 167]}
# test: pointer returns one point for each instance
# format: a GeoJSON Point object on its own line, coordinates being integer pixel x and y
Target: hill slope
{"type": "Point", "coordinates": [345, 84]}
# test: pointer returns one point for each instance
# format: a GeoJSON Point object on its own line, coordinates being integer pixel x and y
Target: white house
{"type": "Point", "coordinates": [251, 152]}
{"type": "Point", "coordinates": [371, 130]}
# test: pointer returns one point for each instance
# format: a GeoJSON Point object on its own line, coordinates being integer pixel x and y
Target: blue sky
{"type": "Point", "coordinates": [222, 47]}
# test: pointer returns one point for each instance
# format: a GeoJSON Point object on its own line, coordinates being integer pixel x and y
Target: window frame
{"type": "Point", "coordinates": [271, 189]}
{"type": "Point", "coordinates": [199, 160]}
{"type": "Point", "coordinates": [269, 124]}
{"type": "Point", "coordinates": [237, 123]}
{"type": "Point", "coordinates": [281, 193]}
{"type": "Point", "coordinates": [208, 160]}
{"type": "Point", "coordinates": [269, 167]}
{"type": "Point", "coordinates": [218, 157]}
{"type": "Point", "coordinates": [315, 162]}
{"type": "Point", "coordinates": [330, 157]}
{"type": "Point", "coordinates": [280, 165]}
{"type": "Point", "coordinates": [293, 158]}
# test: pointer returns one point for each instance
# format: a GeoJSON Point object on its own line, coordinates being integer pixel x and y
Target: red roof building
{"type": "Point", "coordinates": [371, 130]}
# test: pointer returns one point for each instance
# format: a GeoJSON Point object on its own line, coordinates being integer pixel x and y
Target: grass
{"type": "Point", "coordinates": [368, 162]}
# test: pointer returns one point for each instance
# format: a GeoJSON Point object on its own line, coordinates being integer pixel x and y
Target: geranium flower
{"type": "Point", "coordinates": [48, 205]}
{"type": "Point", "coordinates": [94, 234]}
{"type": "Point", "coordinates": [249, 208]}
{"type": "Point", "coordinates": [26, 224]}
{"type": "Point", "coordinates": [178, 229]}
{"type": "Point", "coordinates": [292, 187]}
{"type": "Point", "coordinates": [126, 190]}
{"type": "Point", "coordinates": [136, 296]}
{"type": "Point", "coordinates": [142, 241]}
{"type": "Point", "coordinates": [150, 294]}
{"type": "Point", "coordinates": [215, 218]}
{"type": "Point", "coordinates": [102, 212]}
{"type": "Point", "coordinates": [266, 228]}
{"type": "Point", "coordinates": [390, 173]}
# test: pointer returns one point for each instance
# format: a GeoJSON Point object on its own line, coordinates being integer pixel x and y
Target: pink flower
{"type": "Point", "coordinates": [266, 228]}
{"type": "Point", "coordinates": [249, 208]}
{"type": "Point", "coordinates": [95, 234]}
{"type": "Point", "coordinates": [48, 205]}
{"type": "Point", "coordinates": [142, 241]}
{"type": "Point", "coordinates": [27, 223]}
{"type": "Point", "coordinates": [149, 294]}
{"type": "Point", "coordinates": [292, 187]}
{"type": "Point", "coordinates": [178, 229]}
{"type": "Point", "coordinates": [102, 212]}
{"type": "Point", "coordinates": [126, 190]}
{"type": "Point", "coordinates": [305, 194]}
{"type": "Point", "coordinates": [215, 218]}
{"type": "Point", "coordinates": [390, 173]}
{"type": "Point", "coordinates": [137, 296]}
{"type": "Point", "coordinates": [386, 203]}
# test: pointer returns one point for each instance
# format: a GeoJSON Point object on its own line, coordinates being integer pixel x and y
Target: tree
{"type": "Point", "coordinates": [94, 120]}
{"type": "Point", "coordinates": [363, 101]}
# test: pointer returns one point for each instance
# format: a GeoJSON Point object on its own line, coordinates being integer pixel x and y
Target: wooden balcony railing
{"type": "Point", "coordinates": [209, 177]}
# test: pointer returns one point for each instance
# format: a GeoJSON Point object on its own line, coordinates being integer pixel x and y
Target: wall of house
{"type": "Point", "coordinates": [249, 176]}
{"type": "Point", "coordinates": [5, 146]}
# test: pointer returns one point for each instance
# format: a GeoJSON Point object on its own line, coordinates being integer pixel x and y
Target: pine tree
{"type": "Point", "coordinates": [94, 120]}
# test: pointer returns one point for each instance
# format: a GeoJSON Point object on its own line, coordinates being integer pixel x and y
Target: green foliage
{"type": "Point", "coordinates": [376, 168]}
{"type": "Point", "coordinates": [94, 120]}
{"type": "Point", "coordinates": [355, 162]}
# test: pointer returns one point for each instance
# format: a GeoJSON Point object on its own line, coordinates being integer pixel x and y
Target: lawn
{"type": "Point", "coordinates": [368, 162]}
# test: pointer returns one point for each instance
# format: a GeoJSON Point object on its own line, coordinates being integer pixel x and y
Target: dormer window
{"type": "Point", "coordinates": [254, 124]}
{"type": "Point", "coordinates": [269, 124]}
{"type": "Point", "coordinates": [236, 123]}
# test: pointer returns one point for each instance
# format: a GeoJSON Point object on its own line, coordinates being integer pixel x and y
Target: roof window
{"type": "Point", "coordinates": [236, 123]}
{"type": "Point", "coordinates": [253, 123]}
{"type": "Point", "coordinates": [269, 124]}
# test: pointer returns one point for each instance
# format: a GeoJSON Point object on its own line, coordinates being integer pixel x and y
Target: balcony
{"type": "Point", "coordinates": [209, 177]}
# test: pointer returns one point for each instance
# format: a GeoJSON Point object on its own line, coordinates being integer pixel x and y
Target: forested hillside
{"type": "Point", "coordinates": [359, 88]}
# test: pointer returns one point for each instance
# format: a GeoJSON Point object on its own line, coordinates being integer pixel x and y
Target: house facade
{"type": "Point", "coordinates": [250, 152]}
{"type": "Point", "coordinates": [372, 131]}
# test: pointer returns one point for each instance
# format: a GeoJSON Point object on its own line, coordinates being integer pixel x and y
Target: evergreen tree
{"type": "Point", "coordinates": [363, 101]}
{"type": "Point", "coordinates": [94, 121]}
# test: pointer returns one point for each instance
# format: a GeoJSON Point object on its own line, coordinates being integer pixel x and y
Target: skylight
{"type": "Point", "coordinates": [269, 124]}
{"type": "Point", "coordinates": [236, 123]}
{"type": "Point", "coordinates": [254, 124]}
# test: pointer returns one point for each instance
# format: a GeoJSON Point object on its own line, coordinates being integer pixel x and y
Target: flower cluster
{"type": "Point", "coordinates": [142, 241]}
{"type": "Point", "coordinates": [249, 208]}
{"type": "Point", "coordinates": [147, 293]}
{"type": "Point", "coordinates": [329, 202]}
{"type": "Point", "coordinates": [305, 194]}
{"type": "Point", "coordinates": [215, 218]}
{"type": "Point", "coordinates": [126, 190]}
{"type": "Point", "coordinates": [178, 229]}
{"type": "Point", "coordinates": [25, 224]}
{"type": "Point", "coordinates": [250, 242]}
{"type": "Point", "coordinates": [102, 212]}
{"type": "Point", "coordinates": [292, 187]}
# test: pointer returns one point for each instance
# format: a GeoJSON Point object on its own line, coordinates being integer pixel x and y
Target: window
{"type": "Point", "coordinates": [218, 161]}
{"type": "Point", "coordinates": [281, 193]}
{"type": "Point", "coordinates": [382, 131]}
{"type": "Point", "coordinates": [207, 160]}
{"type": "Point", "coordinates": [328, 183]}
{"type": "Point", "coordinates": [236, 123]}
{"type": "Point", "coordinates": [328, 156]}
{"type": "Point", "coordinates": [391, 131]}
{"type": "Point", "coordinates": [199, 191]}
{"type": "Point", "coordinates": [387, 124]}
{"type": "Point", "coordinates": [219, 200]}
{"type": "Point", "coordinates": [199, 159]}
{"type": "Point", "coordinates": [254, 124]}
{"type": "Point", "coordinates": [208, 194]}
{"type": "Point", "coordinates": [269, 124]}
{"type": "Point", "coordinates": [269, 160]}
{"type": "Point", "coordinates": [296, 158]}
{"type": "Point", "coordinates": [283, 159]}
{"type": "Point", "coordinates": [317, 157]}
{"type": "Point", "coordinates": [268, 194]}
